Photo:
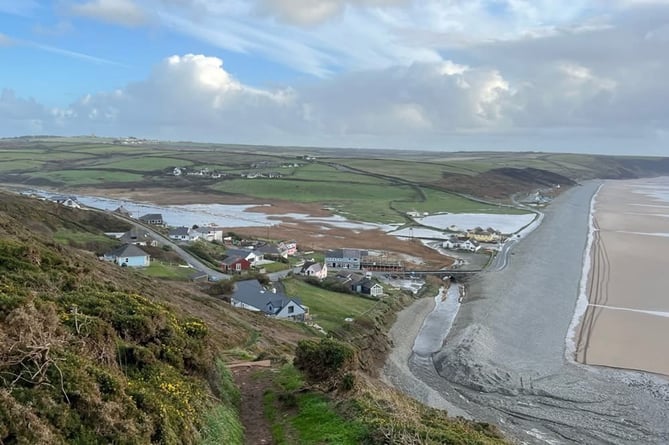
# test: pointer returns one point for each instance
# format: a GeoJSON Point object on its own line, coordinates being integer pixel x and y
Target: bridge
{"type": "Point", "coordinates": [438, 272]}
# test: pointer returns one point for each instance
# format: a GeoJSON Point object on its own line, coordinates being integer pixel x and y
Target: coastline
{"type": "Point", "coordinates": [573, 335]}
{"type": "Point", "coordinates": [626, 311]}
{"type": "Point", "coordinates": [396, 372]}
{"type": "Point", "coordinates": [505, 359]}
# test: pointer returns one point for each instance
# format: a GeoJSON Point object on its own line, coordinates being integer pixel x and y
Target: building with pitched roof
{"type": "Point", "coordinates": [251, 295]}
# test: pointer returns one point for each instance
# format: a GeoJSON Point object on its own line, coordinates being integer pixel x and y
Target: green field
{"type": "Point", "coordinates": [328, 309]}
{"type": "Point", "coordinates": [420, 172]}
{"type": "Point", "coordinates": [366, 202]}
{"type": "Point", "coordinates": [21, 165]}
{"type": "Point", "coordinates": [88, 177]}
{"type": "Point", "coordinates": [320, 172]}
{"type": "Point", "coordinates": [144, 164]}
{"type": "Point", "coordinates": [439, 202]}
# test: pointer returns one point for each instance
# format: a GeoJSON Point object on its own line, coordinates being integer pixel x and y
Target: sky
{"type": "Point", "coordinates": [541, 75]}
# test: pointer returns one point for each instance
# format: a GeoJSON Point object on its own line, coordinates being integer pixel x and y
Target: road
{"type": "Point", "coordinates": [192, 261]}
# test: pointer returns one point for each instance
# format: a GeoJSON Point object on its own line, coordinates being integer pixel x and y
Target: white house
{"type": "Point", "coordinates": [209, 233]}
{"type": "Point", "coordinates": [314, 269]}
{"type": "Point", "coordinates": [128, 255]}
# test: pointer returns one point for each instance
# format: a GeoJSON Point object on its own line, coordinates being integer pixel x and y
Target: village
{"type": "Point", "coordinates": [256, 266]}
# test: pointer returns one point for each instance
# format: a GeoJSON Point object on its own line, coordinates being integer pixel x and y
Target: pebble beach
{"type": "Point", "coordinates": [505, 359]}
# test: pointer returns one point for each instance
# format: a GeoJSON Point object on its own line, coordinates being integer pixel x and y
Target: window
{"type": "Point", "coordinates": [291, 309]}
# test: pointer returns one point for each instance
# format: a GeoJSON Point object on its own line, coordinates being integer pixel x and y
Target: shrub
{"type": "Point", "coordinates": [324, 360]}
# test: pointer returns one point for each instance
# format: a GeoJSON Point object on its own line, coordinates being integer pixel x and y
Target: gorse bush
{"type": "Point", "coordinates": [323, 360]}
{"type": "Point", "coordinates": [82, 360]}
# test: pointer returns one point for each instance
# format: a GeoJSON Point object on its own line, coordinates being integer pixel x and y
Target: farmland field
{"type": "Point", "coordinates": [87, 177]}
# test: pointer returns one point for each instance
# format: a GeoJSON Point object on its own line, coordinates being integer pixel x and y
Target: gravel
{"type": "Point", "coordinates": [504, 358]}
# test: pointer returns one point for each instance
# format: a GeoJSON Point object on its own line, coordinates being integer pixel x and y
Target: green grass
{"type": "Point", "coordinates": [328, 309]}
{"type": "Point", "coordinates": [303, 191]}
{"type": "Point", "coordinates": [320, 172]}
{"type": "Point", "coordinates": [438, 201]}
{"type": "Point", "coordinates": [318, 423]}
{"type": "Point", "coordinates": [84, 177]}
{"type": "Point", "coordinates": [20, 165]}
{"type": "Point", "coordinates": [306, 418]}
{"type": "Point", "coordinates": [408, 170]}
{"type": "Point", "coordinates": [83, 239]}
{"type": "Point", "coordinates": [222, 424]}
{"type": "Point", "coordinates": [365, 202]}
{"type": "Point", "coordinates": [158, 269]}
{"type": "Point", "coordinates": [145, 164]}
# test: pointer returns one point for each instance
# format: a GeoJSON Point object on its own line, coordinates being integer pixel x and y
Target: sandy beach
{"type": "Point", "coordinates": [627, 319]}
{"type": "Point", "coordinates": [506, 359]}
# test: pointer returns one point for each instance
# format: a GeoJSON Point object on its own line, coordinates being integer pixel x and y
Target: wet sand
{"type": "Point", "coordinates": [505, 360]}
{"type": "Point", "coordinates": [627, 320]}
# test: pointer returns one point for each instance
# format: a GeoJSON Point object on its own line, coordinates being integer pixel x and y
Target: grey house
{"type": "Point", "coordinates": [344, 258]}
{"type": "Point", "coordinates": [155, 219]}
{"type": "Point", "coordinates": [251, 295]}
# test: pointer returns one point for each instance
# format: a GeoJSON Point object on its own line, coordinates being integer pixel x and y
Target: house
{"type": "Point", "coordinates": [471, 245]}
{"type": "Point", "coordinates": [67, 201]}
{"type": "Point", "coordinates": [484, 236]}
{"type": "Point", "coordinates": [180, 233]}
{"type": "Point", "coordinates": [251, 295]}
{"type": "Point", "coordinates": [344, 258]}
{"type": "Point", "coordinates": [288, 248]}
{"type": "Point", "coordinates": [269, 251]}
{"type": "Point", "coordinates": [234, 264]}
{"type": "Point", "coordinates": [138, 237]}
{"type": "Point", "coordinates": [250, 255]}
{"type": "Point", "coordinates": [360, 284]}
{"type": "Point", "coordinates": [123, 211]}
{"type": "Point", "coordinates": [128, 255]}
{"type": "Point", "coordinates": [314, 269]}
{"type": "Point", "coordinates": [155, 219]}
{"type": "Point", "coordinates": [456, 243]}
{"type": "Point", "coordinates": [367, 287]}
{"type": "Point", "coordinates": [451, 243]}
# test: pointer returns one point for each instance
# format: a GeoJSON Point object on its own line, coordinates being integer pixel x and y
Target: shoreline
{"type": "Point", "coordinates": [574, 334]}
{"type": "Point", "coordinates": [396, 371]}
{"type": "Point", "coordinates": [505, 359]}
{"type": "Point", "coordinates": [622, 319]}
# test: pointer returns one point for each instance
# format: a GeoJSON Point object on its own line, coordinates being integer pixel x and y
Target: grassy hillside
{"type": "Point", "coordinates": [92, 353]}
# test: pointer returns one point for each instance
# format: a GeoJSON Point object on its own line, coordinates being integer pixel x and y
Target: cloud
{"type": "Point", "coordinates": [22, 116]}
{"type": "Point", "coordinates": [188, 96]}
{"type": "Point", "coordinates": [314, 12]}
{"type": "Point", "coordinates": [120, 12]}
{"type": "Point", "coordinates": [537, 94]}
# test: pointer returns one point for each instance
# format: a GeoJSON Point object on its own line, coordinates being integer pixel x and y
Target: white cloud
{"type": "Point", "coordinates": [314, 12]}
{"type": "Point", "coordinates": [552, 81]}
{"type": "Point", "coordinates": [120, 12]}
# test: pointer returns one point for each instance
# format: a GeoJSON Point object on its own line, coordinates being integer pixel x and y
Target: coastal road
{"type": "Point", "coordinates": [192, 261]}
